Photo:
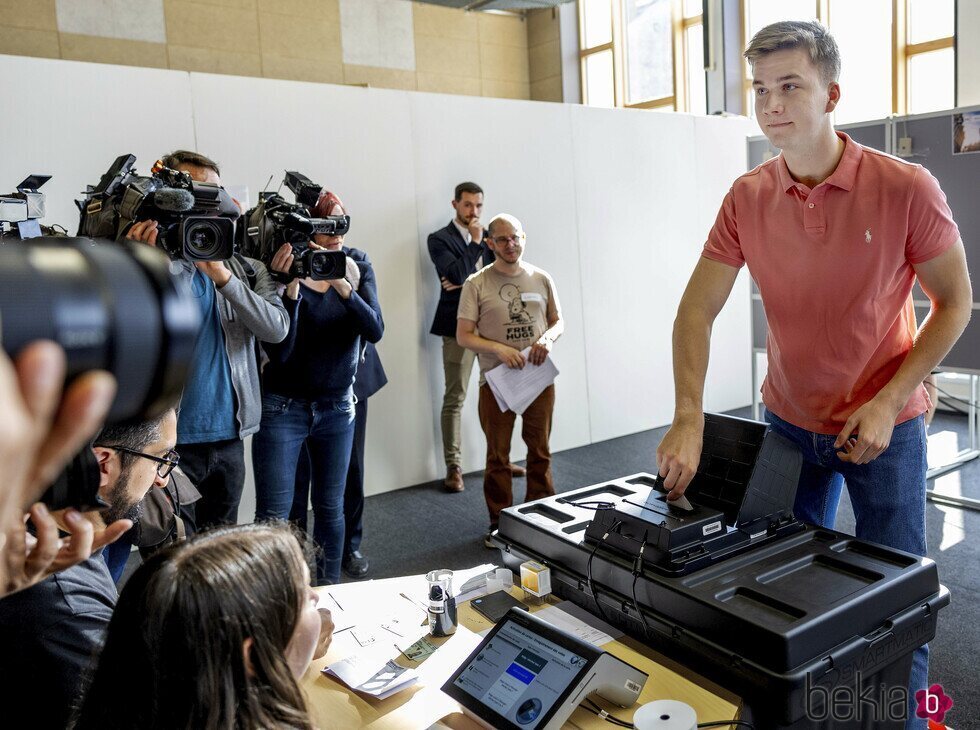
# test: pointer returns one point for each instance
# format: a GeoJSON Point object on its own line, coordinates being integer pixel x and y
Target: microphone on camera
{"type": "Point", "coordinates": [173, 200]}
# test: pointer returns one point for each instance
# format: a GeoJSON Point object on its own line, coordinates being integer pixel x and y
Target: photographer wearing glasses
{"type": "Point", "coordinates": [514, 306]}
{"type": "Point", "coordinates": [50, 630]}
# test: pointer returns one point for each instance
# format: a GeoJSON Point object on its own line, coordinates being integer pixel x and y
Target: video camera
{"type": "Point", "coordinates": [110, 307]}
{"type": "Point", "coordinates": [23, 209]}
{"type": "Point", "coordinates": [196, 220]}
{"type": "Point", "coordinates": [275, 221]}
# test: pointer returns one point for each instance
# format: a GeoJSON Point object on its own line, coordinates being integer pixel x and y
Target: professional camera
{"type": "Point", "coordinates": [275, 221]}
{"type": "Point", "coordinates": [111, 307]}
{"type": "Point", "coordinates": [197, 220]}
{"type": "Point", "coordinates": [21, 211]}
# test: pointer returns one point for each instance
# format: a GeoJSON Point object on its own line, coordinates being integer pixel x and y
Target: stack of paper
{"type": "Point", "coordinates": [516, 388]}
{"type": "Point", "coordinates": [373, 672]}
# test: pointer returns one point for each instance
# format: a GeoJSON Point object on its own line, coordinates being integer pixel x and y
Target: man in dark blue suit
{"type": "Point", "coordinates": [457, 251]}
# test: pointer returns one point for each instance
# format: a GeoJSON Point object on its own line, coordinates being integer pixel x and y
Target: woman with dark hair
{"type": "Point", "coordinates": [211, 633]}
{"type": "Point", "coordinates": [308, 396]}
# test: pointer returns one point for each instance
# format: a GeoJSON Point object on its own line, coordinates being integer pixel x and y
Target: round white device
{"type": "Point", "coordinates": [665, 715]}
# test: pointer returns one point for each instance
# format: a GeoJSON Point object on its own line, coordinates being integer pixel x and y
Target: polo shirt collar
{"type": "Point", "coordinates": [842, 177]}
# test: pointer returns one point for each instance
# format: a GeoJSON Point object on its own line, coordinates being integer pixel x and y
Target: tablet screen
{"type": "Point", "coordinates": [521, 673]}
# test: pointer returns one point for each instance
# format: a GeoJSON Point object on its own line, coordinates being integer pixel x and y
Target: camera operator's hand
{"type": "Point", "coordinates": [216, 271]}
{"type": "Point", "coordinates": [145, 232]}
{"type": "Point", "coordinates": [282, 262]}
{"type": "Point", "coordinates": [476, 230]}
{"type": "Point", "coordinates": [32, 558]}
{"type": "Point", "coordinates": [512, 357]}
{"type": "Point", "coordinates": [40, 430]}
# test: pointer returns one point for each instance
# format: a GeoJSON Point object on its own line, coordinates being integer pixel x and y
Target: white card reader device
{"type": "Point", "coordinates": [529, 675]}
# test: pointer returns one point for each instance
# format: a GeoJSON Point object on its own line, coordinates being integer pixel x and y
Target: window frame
{"type": "Point", "coordinates": [678, 100]}
{"type": "Point", "coordinates": [902, 52]}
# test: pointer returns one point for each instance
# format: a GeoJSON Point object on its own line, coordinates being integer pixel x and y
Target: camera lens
{"type": "Point", "coordinates": [110, 306]}
{"type": "Point", "coordinates": [205, 239]}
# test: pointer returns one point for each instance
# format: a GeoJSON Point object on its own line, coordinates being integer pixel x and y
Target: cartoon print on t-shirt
{"type": "Point", "coordinates": [521, 326]}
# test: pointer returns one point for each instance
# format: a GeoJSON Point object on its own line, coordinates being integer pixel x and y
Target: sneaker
{"type": "Point", "coordinates": [356, 565]}
{"type": "Point", "coordinates": [488, 538]}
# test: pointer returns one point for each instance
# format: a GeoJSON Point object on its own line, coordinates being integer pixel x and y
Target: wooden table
{"type": "Point", "coordinates": [333, 705]}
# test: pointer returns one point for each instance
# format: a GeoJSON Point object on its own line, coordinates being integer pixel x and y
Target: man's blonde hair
{"type": "Point", "coordinates": [809, 35]}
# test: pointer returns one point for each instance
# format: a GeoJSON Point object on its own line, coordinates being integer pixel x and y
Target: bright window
{"type": "Point", "coordinates": [642, 53]}
{"type": "Point", "coordinates": [897, 56]}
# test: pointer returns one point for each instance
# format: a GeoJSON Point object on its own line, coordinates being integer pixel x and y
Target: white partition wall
{"type": "Point", "coordinates": [616, 205]}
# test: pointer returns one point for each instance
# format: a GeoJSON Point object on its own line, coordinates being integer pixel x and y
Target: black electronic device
{"type": "Point", "coordinates": [20, 211]}
{"type": "Point", "coordinates": [529, 674]}
{"type": "Point", "coordinates": [196, 220]}
{"type": "Point", "coordinates": [495, 605]}
{"type": "Point", "coordinates": [742, 495]}
{"type": "Point", "coordinates": [113, 307]}
{"type": "Point", "coordinates": [275, 221]}
{"type": "Point", "coordinates": [781, 619]}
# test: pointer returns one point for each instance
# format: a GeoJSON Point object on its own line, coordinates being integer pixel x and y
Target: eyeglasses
{"type": "Point", "coordinates": [503, 240]}
{"type": "Point", "coordinates": [165, 465]}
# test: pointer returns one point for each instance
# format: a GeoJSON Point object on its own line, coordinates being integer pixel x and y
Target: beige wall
{"type": "Point", "coordinates": [479, 54]}
{"type": "Point", "coordinates": [544, 54]}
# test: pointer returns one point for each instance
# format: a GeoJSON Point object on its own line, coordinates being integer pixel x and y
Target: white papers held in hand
{"type": "Point", "coordinates": [515, 389]}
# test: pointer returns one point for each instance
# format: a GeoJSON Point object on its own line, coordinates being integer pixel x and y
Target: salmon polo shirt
{"type": "Point", "coordinates": [834, 267]}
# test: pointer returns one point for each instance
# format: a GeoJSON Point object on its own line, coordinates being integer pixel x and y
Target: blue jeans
{"type": "Point", "coordinates": [888, 496]}
{"type": "Point", "coordinates": [327, 428]}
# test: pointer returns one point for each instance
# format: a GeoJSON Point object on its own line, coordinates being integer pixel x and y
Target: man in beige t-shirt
{"type": "Point", "coordinates": [504, 308]}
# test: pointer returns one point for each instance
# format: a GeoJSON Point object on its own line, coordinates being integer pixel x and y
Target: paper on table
{"type": "Point", "coordinates": [373, 672]}
{"type": "Point", "coordinates": [518, 387]}
{"type": "Point", "coordinates": [561, 617]}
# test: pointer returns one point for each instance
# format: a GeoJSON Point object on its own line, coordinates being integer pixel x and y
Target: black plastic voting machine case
{"type": "Point", "coordinates": [775, 611]}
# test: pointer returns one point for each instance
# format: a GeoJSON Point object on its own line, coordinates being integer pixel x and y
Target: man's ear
{"type": "Point", "coordinates": [833, 96]}
{"type": "Point", "coordinates": [103, 456]}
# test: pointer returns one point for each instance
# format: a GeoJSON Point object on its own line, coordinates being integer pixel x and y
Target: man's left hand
{"type": "Point", "coordinates": [216, 271]}
{"type": "Point", "coordinates": [539, 351]}
{"type": "Point", "coordinates": [873, 424]}
{"type": "Point", "coordinates": [448, 285]}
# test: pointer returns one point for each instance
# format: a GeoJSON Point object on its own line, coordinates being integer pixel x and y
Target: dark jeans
{"type": "Point", "coordinates": [888, 496]}
{"type": "Point", "coordinates": [327, 429]}
{"type": "Point", "coordinates": [535, 431]}
{"type": "Point", "coordinates": [353, 492]}
{"type": "Point", "coordinates": [218, 471]}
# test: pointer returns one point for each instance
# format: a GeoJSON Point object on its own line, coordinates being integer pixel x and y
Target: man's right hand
{"type": "Point", "coordinates": [513, 358]}
{"type": "Point", "coordinates": [679, 454]}
{"type": "Point", "coordinates": [448, 285]}
{"type": "Point", "coordinates": [145, 232]}
{"type": "Point", "coordinates": [475, 227]}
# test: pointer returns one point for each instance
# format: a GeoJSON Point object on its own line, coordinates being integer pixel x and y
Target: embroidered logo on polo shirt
{"type": "Point", "coordinates": [867, 236]}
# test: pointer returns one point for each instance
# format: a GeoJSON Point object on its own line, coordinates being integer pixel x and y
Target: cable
{"type": "Point", "coordinates": [595, 594]}
{"type": "Point", "coordinates": [589, 706]}
{"type": "Point", "coordinates": [727, 723]}
{"type": "Point", "coordinates": [637, 569]}
{"type": "Point", "coordinates": [587, 505]}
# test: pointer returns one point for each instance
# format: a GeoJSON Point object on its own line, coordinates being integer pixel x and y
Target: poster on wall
{"type": "Point", "coordinates": [966, 132]}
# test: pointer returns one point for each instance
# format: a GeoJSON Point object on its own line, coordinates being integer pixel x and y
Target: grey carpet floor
{"type": "Point", "coordinates": [420, 528]}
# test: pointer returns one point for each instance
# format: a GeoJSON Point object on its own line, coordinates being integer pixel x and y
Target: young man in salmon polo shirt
{"type": "Point", "coordinates": [834, 234]}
